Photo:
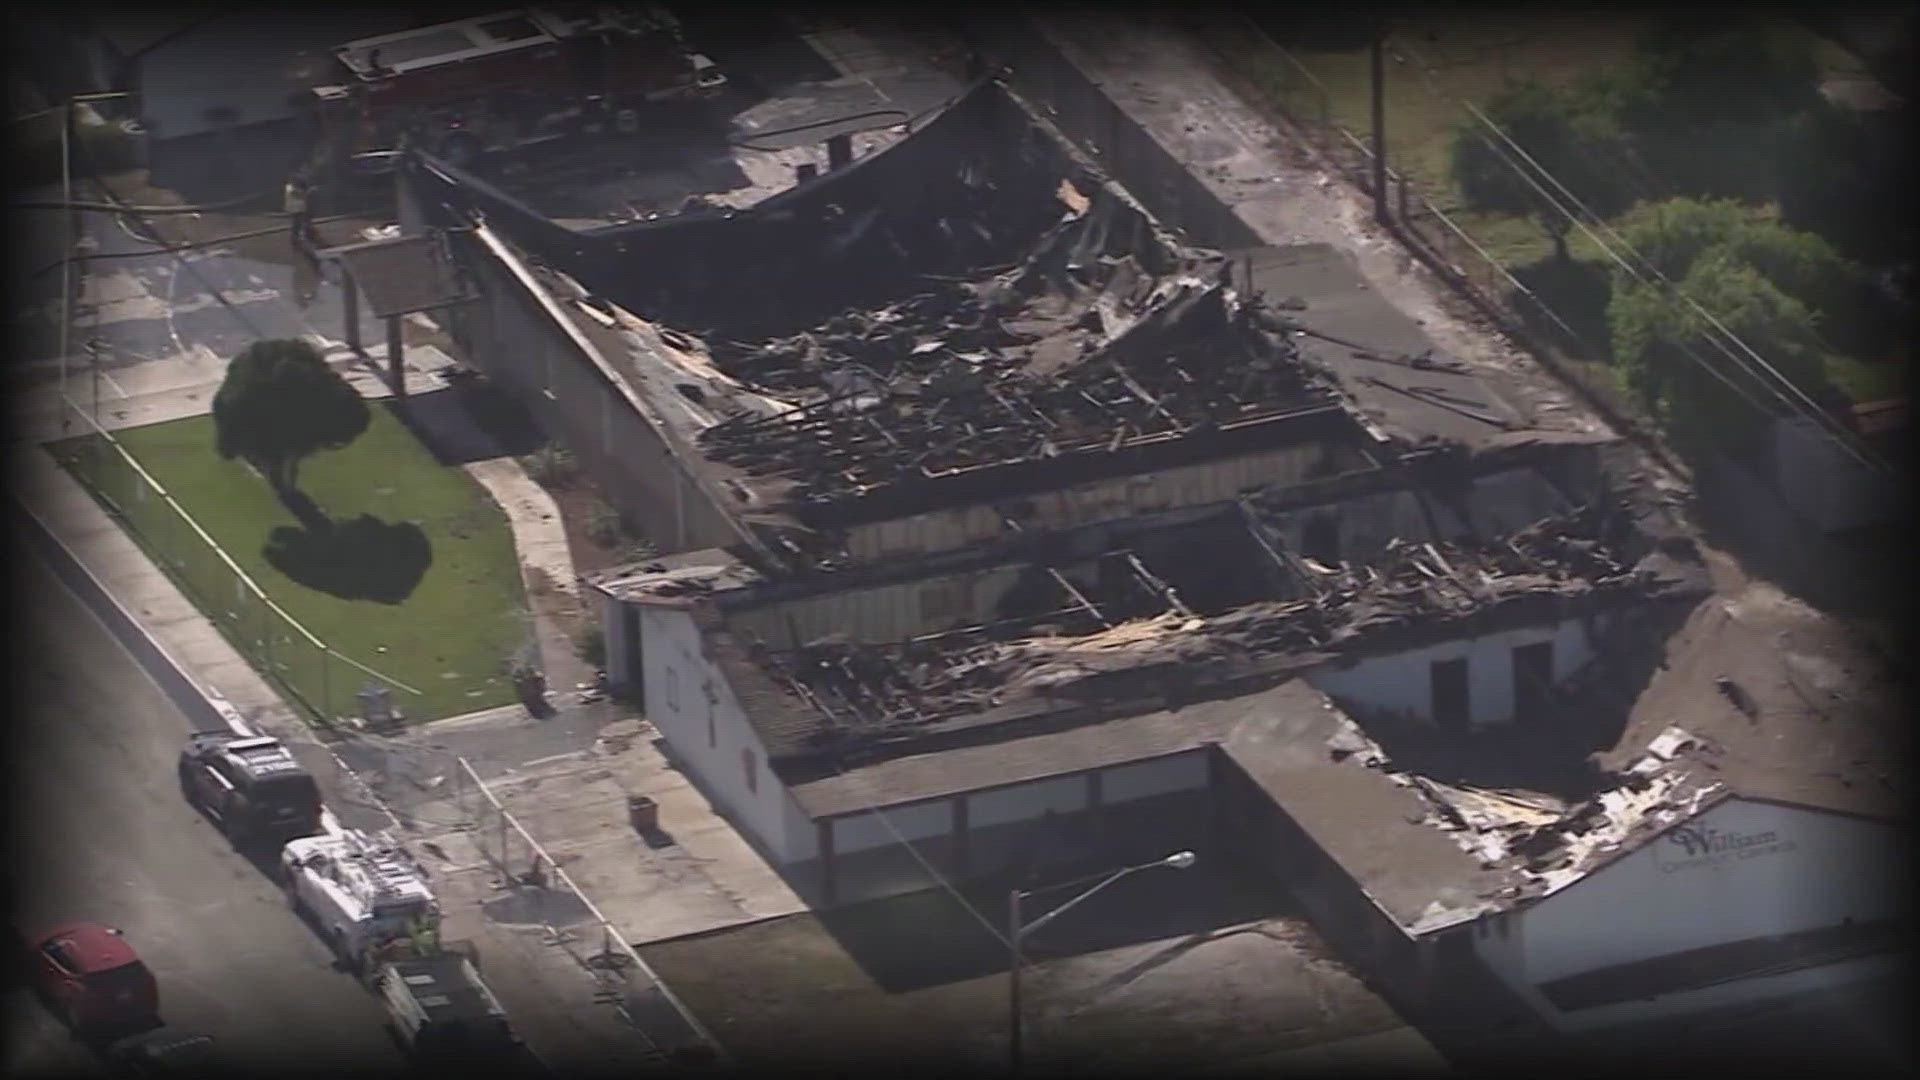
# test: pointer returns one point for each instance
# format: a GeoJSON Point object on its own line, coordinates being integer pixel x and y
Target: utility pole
{"type": "Point", "coordinates": [1380, 127]}
{"type": "Point", "coordinates": [73, 238]}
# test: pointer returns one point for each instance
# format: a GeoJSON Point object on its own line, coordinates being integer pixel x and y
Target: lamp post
{"type": "Point", "coordinates": [1018, 931]}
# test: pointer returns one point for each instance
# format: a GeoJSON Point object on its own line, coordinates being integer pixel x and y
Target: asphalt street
{"type": "Point", "coordinates": [98, 831]}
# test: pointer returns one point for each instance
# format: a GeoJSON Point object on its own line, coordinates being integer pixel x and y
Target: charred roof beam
{"type": "Point", "coordinates": [1141, 392]}
{"type": "Point", "coordinates": [1283, 560]}
{"type": "Point", "coordinates": [1165, 590]}
{"type": "Point", "coordinates": [1064, 583]}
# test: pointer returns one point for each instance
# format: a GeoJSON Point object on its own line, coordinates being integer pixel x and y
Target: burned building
{"type": "Point", "coordinates": [994, 516]}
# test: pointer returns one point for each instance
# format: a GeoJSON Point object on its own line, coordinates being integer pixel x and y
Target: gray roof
{"type": "Point", "coordinates": [1401, 380]}
{"type": "Point", "coordinates": [1308, 756]}
{"type": "Point", "coordinates": [1031, 757]}
{"type": "Point", "coordinates": [402, 275]}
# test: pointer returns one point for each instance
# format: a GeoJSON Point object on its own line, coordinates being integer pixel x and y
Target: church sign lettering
{"type": "Point", "coordinates": [1692, 847]}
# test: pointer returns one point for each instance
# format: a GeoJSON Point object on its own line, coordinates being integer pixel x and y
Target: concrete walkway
{"type": "Point", "coordinates": [694, 874]}
{"type": "Point", "coordinates": [546, 568]}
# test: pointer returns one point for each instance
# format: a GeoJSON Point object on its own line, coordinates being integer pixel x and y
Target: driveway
{"type": "Point", "coordinates": [1189, 970]}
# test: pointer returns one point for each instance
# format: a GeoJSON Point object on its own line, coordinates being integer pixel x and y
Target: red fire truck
{"type": "Point", "coordinates": [496, 82]}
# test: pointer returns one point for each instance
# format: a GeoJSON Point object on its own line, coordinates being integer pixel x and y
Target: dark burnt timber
{"type": "Point", "coordinates": [1061, 654]}
{"type": "Point", "coordinates": [949, 408]}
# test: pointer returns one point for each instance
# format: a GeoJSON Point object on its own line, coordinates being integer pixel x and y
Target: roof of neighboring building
{"type": "Point", "coordinates": [1317, 765]}
{"type": "Point", "coordinates": [402, 274]}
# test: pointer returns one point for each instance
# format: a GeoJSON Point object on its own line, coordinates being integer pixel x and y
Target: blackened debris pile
{"type": "Point", "coordinates": [1076, 651]}
{"type": "Point", "coordinates": [1006, 371]}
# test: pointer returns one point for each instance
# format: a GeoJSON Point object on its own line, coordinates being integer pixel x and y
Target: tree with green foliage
{"type": "Point", "coordinates": [1847, 175]}
{"type": "Point", "coordinates": [1570, 133]}
{"type": "Point", "coordinates": [1707, 69]}
{"type": "Point", "coordinates": [281, 402]}
{"type": "Point", "coordinates": [1675, 234]}
{"type": "Point", "coordinates": [1710, 100]}
{"type": "Point", "coordinates": [1758, 279]}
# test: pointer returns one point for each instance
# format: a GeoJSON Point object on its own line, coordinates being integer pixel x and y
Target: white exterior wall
{"type": "Point", "coordinates": [695, 711]}
{"type": "Point", "coordinates": [1160, 776]}
{"type": "Point", "coordinates": [614, 626]}
{"type": "Point", "coordinates": [1025, 802]}
{"type": "Point", "coordinates": [912, 821]}
{"type": "Point", "coordinates": [1817, 871]}
{"type": "Point", "coordinates": [1404, 681]}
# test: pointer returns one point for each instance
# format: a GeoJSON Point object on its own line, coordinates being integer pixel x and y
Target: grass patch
{"type": "Point", "coordinates": [440, 617]}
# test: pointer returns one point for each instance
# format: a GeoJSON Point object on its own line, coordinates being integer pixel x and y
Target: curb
{"type": "Point", "coordinates": [206, 707]}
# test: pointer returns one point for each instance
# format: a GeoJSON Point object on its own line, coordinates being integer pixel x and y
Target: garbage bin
{"type": "Point", "coordinates": [643, 812]}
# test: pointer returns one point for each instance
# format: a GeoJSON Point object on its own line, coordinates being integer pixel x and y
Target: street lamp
{"type": "Point", "coordinates": [1018, 931]}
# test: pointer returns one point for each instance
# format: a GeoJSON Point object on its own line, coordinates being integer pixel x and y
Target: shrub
{"type": "Point", "coordinates": [552, 466]}
{"type": "Point", "coordinates": [604, 526]}
{"type": "Point", "coordinates": [591, 646]}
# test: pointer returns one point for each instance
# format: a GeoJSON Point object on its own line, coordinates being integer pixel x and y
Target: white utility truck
{"type": "Point", "coordinates": [361, 893]}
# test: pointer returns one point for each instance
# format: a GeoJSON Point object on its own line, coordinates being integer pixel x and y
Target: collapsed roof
{"type": "Point", "coordinates": [1137, 641]}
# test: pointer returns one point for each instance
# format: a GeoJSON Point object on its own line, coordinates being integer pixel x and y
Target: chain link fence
{"type": "Point", "coordinates": [325, 683]}
{"type": "Point", "coordinates": [1280, 83]}
{"type": "Point", "coordinates": [571, 922]}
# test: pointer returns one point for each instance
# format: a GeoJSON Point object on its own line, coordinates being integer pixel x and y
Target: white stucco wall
{"type": "Point", "coordinates": [1025, 802]}
{"type": "Point", "coordinates": [1160, 776]}
{"type": "Point", "coordinates": [695, 711]}
{"type": "Point", "coordinates": [613, 625]}
{"type": "Point", "coordinates": [912, 821]}
{"type": "Point", "coordinates": [1816, 871]}
{"type": "Point", "coordinates": [1404, 681]}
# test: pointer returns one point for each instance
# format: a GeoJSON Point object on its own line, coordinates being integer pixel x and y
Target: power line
{"type": "Point", "coordinates": [1687, 349]}
{"type": "Point", "coordinates": [1810, 410]}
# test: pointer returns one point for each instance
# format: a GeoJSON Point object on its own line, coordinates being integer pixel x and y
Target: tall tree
{"type": "Point", "coordinates": [281, 402]}
{"type": "Point", "coordinates": [1571, 136]}
{"type": "Point", "coordinates": [1755, 279]}
{"type": "Point", "coordinates": [1713, 99]}
{"type": "Point", "coordinates": [1726, 69]}
{"type": "Point", "coordinates": [1676, 234]}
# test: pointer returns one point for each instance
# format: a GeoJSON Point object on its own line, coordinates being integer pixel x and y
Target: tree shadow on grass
{"type": "Point", "coordinates": [361, 559]}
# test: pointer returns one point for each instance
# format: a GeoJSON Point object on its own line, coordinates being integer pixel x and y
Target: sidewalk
{"type": "Point", "coordinates": [551, 999]}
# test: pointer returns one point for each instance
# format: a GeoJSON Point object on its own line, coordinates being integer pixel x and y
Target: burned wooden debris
{"type": "Point", "coordinates": [1003, 371]}
{"type": "Point", "coordinates": [1073, 642]}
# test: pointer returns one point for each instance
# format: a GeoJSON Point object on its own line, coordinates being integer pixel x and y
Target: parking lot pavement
{"type": "Point", "coordinates": [1200, 970]}
{"type": "Point", "coordinates": [538, 979]}
{"type": "Point", "coordinates": [692, 874]}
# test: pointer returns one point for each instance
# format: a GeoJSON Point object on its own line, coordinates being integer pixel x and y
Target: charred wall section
{"type": "Point", "coordinates": [520, 344]}
{"type": "Point", "coordinates": [1083, 112]}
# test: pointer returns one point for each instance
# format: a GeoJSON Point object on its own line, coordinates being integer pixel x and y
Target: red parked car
{"type": "Point", "coordinates": [93, 981]}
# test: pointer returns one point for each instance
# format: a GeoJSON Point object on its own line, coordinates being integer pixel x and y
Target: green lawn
{"type": "Point", "coordinates": [448, 637]}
